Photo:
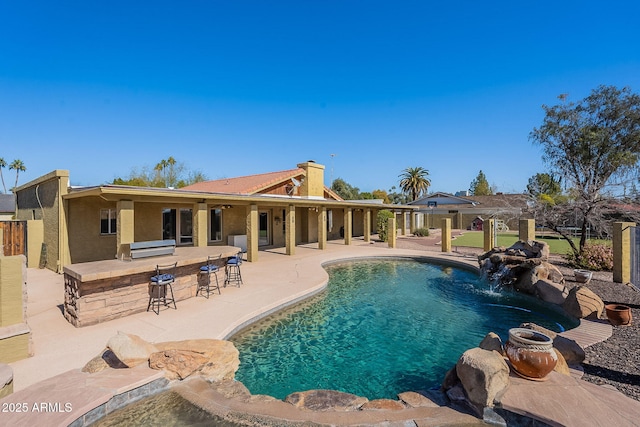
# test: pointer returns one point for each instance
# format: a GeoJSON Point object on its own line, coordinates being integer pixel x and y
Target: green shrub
{"type": "Point", "coordinates": [421, 232]}
{"type": "Point", "coordinates": [595, 257]}
{"type": "Point", "coordinates": [381, 223]}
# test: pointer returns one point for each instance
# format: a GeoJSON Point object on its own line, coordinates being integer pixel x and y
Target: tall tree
{"type": "Point", "coordinates": [18, 166]}
{"type": "Point", "coordinates": [592, 144]}
{"type": "Point", "coordinates": [414, 182]}
{"type": "Point", "coordinates": [480, 186]}
{"type": "Point", "coordinates": [3, 164]}
{"type": "Point", "coordinates": [542, 184]}
{"type": "Point", "coordinates": [166, 173]}
{"type": "Point", "coordinates": [345, 190]}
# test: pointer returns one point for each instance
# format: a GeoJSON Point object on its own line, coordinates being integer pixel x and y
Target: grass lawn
{"type": "Point", "coordinates": [475, 239]}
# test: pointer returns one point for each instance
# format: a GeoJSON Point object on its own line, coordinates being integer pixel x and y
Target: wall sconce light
{"type": "Point", "coordinates": [277, 220]}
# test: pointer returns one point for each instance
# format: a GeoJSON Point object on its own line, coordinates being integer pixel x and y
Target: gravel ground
{"type": "Point", "coordinates": [615, 361]}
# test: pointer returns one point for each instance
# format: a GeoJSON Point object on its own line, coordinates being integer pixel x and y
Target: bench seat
{"type": "Point", "coordinates": [151, 248]}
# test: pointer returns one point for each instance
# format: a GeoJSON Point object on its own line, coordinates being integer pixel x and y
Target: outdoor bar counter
{"type": "Point", "coordinates": [99, 291]}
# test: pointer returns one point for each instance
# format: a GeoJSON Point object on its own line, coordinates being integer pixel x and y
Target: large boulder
{"type": "Point", "coordinates": [582, 303]}
{"type": "Point", "coordinates": [484, 375]}
{"type": "Point", "coordinates": [326, 400]}
{"type": "Point", "coordinates": [214, 360]}
{"type": "Point", "coordinates": [555, 293]}
{"type": "Point", "coordinates": [130, 349]}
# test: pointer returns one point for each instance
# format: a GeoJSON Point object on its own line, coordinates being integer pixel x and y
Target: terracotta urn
{"type": "Point", "coordinates": [618, 314]}
{"type": "Point", "coordinates": [582, 276]}
{"type": "Point", "coordinates": [531, 353]}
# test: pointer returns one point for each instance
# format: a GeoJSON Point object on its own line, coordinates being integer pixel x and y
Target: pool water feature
{"type": "Point", "coordinates": [381, 328]}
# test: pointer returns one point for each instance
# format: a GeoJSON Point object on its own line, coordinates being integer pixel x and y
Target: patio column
{"type": "Point", "coordinates": [322, 228]}
{"type": "Point", "coordinates": [622, 251]}
{"type": "Point", "coordinates": [367, 225]}
{"type": "Point", "coordinates": [391, 232]}
{"type": "Point", "coordinates": [403, 223]}
{"type": "Point", "coordinates": [489, 229]}
{"type": "Point", "coordinates": [446, 235]}
{"type": "Point", "coordinates": [290, 230]}
{"type": "Point", "coordinates": [200, 225]}
{"type": "Point", "coordinates": [125, 224]}
{"type": "Point", "coordinates": [526, 229]}
{"type": "Point", "coordinates": [347, 226]}
{"type": "Point", "coordinates": [412, 222]}
{"type": "Point", "coordinates": [253, 233]}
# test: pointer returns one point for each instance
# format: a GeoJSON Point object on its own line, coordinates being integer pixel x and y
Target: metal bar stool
{"type": "Point", "coordinates": [158, 286]}
{"type": "Point", "coordinates": [210, 268]}
{"type": "Point", "coordinates": [232, 270]}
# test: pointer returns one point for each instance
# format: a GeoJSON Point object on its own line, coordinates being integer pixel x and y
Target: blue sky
{"type": "Point", "coordinates": [232, 88]}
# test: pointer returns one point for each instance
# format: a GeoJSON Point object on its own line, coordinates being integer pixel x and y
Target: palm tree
{"type": "Point", "coordinates": [19, 167]}
{"type": "Point", "coordinates": [414, 181]}
{"type": "Point", "coordinates": [3, 164]}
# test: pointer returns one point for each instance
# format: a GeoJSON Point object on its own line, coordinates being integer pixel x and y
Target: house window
{"type": "Point", "coordinates": [108, 221]}
{"type": "Point", "coordinates": [215, 225]}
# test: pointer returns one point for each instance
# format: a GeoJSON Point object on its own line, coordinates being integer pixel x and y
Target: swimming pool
{"type": "Point", "coordinates": [381, 328]}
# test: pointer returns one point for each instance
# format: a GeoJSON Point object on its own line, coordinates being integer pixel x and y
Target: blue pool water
{"type": "Point", "coordinates": [381, 328]}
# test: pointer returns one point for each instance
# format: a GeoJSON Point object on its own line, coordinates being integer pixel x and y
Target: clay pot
{"type": "Point", "coordinates": [582, 276]}
{"type": "Point", "coordinates": [618, 314]}
{"type": "Point", "coordinates": [531, 353]}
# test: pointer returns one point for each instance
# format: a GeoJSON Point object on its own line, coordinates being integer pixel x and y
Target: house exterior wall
{"type": "Point", "coordinates": [41, 199]}
{"type": "Point", "coordinates": [85, 241]}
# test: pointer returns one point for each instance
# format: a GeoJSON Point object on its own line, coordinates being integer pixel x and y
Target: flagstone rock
{"type": "Point", "coordinates": [326, 400]}
{"type": "Point", "coordinates": [417, 400]}
{"type": "Point", "coordinates": [382, 405]}
{"type": "Point", "coordinates": [214, 360]}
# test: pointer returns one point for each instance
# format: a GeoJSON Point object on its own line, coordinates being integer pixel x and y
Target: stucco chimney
{"type": "Point", "coordinates": [313, 184]}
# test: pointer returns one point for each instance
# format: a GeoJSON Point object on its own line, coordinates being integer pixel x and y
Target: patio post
{"type": "Point", "coordinates": [489, 228]}
{"type": "Point", "coordinates": [252, 232]}
{"type": "Point", "coordinates": [446, 234]}
{"type": "Point", "coordinates": [392, 231]}
{"type": "Point", "coordinates": [367, 225]}
{"type": "Point", "coordinates": [322, 228]}
{"type": "Point", "coordinates": [200, 225]}
{"type": "Point", "coordinates": [622, 251]}
{"type": "Point", "coordinates": [348, 232]}
{"type": "Point", "coordinates": [290, 230]}
{"type": "Point", "coordinates": [125, 224]}
{"type": "Point", "coordinates": [526, 229]}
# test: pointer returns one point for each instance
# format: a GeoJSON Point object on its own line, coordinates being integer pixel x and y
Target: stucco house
{"type": "Point", "coordinates": [7, 206]}
{"type": "Point", "coordinates": [463, 210]}
{"type": "Point", "coordinates": [276, 209]}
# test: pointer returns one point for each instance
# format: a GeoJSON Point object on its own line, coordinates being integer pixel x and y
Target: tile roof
{"type": "Point", "coordinates": [250, 184]}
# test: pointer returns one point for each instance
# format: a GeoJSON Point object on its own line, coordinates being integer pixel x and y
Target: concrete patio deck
{"type": "Point", "coordinates": [275, 280]}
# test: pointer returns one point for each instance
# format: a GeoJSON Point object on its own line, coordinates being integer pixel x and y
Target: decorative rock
{"type": "Point", "coordinates": [130, 349]}
{"type": "Point", "coordinates": [382, 405]}
{"type": "Point", "coordinates": [582, 303]}
{"type": "Point", "coordinates": [484, 375]}
{"type": "Point", "coordinates": [231, 389]}
{"type": "Point", "coordinates": [548, 291]}
{"type": "Point", "coordinates": [561, 365]}
{"type": "Point", "coordinates": [450, 379]}
{"type": "Point", "coordinates": [177, 364]}
{"type": "Point", "coordinates": [220, 358]}
{"type": "Point", "coordinates": [416, 400]}
{"type": "Point", "coordinates": [492, 342]}
{"type": "Point", "coordinates": [106, 359]}
{"type": "Point", "coordinates": [326, 400]}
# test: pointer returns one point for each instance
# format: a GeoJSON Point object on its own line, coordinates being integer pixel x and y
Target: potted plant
{"type": "Point", "coordinates": [582, 276]}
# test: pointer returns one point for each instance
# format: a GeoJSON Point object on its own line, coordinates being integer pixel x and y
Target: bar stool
{"type": "Point", "coordinates": [232, 270]}
{"type": "Point", "coordinates": [159, 284]}
{"type": "Point", "coordinates": [210, 268]}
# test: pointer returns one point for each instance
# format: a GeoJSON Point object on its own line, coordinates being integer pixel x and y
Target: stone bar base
{"type": "Point", "coordinates": [105, 290]}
